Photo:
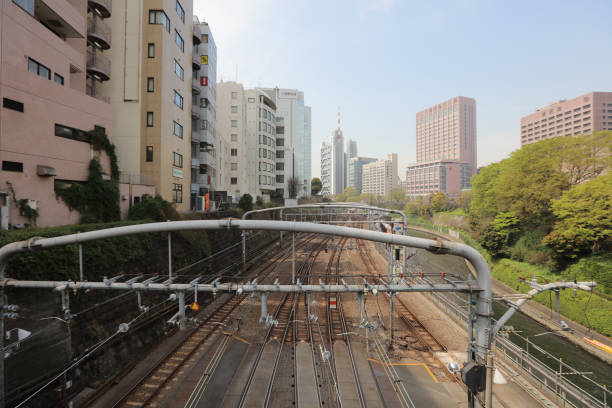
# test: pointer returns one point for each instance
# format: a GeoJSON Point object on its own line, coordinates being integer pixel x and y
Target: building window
{"type": "Point", "coordinates": [58, 79]}
{"type": "Point", "coordinates": [203, 102]}
{"type": "Point", "coordinates": [280, 166]}
{"type": "Point", "coordinates": [204, 124]}
{"type": "Point", "coordinates": [180, 11]}
{"type": "Point", "coordinates": [234, 152]}
{"type": "Point", "coordinates": [234, 166]}
{"type": "Point", "coordinates": [205, 38]}
{"type": "Point", "coordinates": [38, 69]}
{"type": "Point", "coordinates": [280, 154]}
{"type": "Point", "coordinates": [178, 100]}
{"type": "Point", "coordinates": [150, 84]}
{"type": "Point", "coordinates": [11, 104]}
{"type": "Point", "coordinates": [234, 137]}
{"type": "Point", "coordinates": [177, 129]}
{"type": "Point", "coordinates": [234, 180]}
{"type": "Point", "coordinates": [251, 100]}
{"type": "Point", "coordinates": [234, 123]}
{"type": "Point", "coordinates": [71, 133]}
{"type": "Point", "coordinates": [234, 109]}
{"type": "Point", "coordinates": [178, 70]}
{"type": "Point", "coordinates": [149, 119]}
{"type": "Point", "coordinates": [234, 95]}
{"type": "Point", "coordinates": [151, 50]}
{"type": "Point", "coordinates": [177, 193]}
{"type": "Point", "coordinates": [159, 17]}
{"type": "Point", "coordinates": [149, 153]}
{"type": "Point", "coordinates": [177, 160]}
{"type": "Point", "coordinates": [179, 41]}
{"type": "Point", "coordinates": [12, 166]}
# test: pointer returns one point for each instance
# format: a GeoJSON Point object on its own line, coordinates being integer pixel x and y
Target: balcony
{"type": "Point", "coordinates": [195, 86]}
{"type": "Point", "coordinates": [101, 7]}
{"type": "Point", "coordinates": [195, 62]}
{"type": "Point", "coordinates": [195, 136]}
{"type": "Point", "coordinates": [98, 33]}
{"type": "Point", "coordinates": [195, 111]}
{"type": "Point", "coordinates": [98, 66]}
{"type": "Point", "coordinates": [195, 163]}
{"type": "Point", "coordinates": [197, 35]}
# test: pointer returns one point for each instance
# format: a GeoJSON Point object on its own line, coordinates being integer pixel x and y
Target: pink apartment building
{"type": "Point", "coordinates": [588, 113]}
{"type": "Point", "coordinates": [52, 58]}
{"type": "Point", "coordinates": [446, 148]}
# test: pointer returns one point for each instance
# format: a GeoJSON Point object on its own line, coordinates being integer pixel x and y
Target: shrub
{"type": "Point", "coordinates": [156, 209]}
{"type": "Point", "coordinates": [246, 202]}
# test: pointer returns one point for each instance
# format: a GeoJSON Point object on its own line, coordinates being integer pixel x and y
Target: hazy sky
{"type": "Point", "coordinates": [381, 61]}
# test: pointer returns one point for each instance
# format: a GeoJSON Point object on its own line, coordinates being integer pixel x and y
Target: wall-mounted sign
{"type": "Point", "coordinates": [204, 59]}
{"type": "Point", "coordinates": [203, 81]}
{"type": "Point", "coordinates": [177, 173]}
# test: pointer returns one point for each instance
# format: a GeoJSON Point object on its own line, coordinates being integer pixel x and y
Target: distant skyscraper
{"type": "Point", "coordinates": [354, 172]}
{"type": "Point", "coordinates": [380, 177]}
{"type": "Point", "coordinates": [326, 168]}
{"type": "Point", "coordinates": [305, 153]}
{"type": "Point", "coordinates": [337, 173]}
{"type": "Point", "coordinates": [351, 148]}
{"type": "Point", "coordinates": [584, 114]}
{"type": "Point", "coordinates": [446, 148]}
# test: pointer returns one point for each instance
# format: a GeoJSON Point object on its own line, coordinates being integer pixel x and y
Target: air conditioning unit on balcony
{"type": "Point", "coordinates": [45, 171]}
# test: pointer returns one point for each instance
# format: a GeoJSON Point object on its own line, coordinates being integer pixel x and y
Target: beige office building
{"type": "Point", "coordinates": [231, 126]}
{"type": "Point", "coordinates": [380, 177]}
{"type": "Point", "coordinates": [587, 113]}
{"type": "Point", "coordinates": [151, 94]}
{"type": "Point", "coordinates": [53, 55]}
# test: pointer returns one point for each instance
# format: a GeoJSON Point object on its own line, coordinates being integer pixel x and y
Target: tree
{"type": "Point", "coordinates": [316, 185]}
{"type": "Point", "coordinates": [246, 202]}
{"type": "Point", "coordinates": [439, 202]}
{"type": "Point", "coordinates": [292, 187]}
{"type": "Point", "coordinates": [583, 218]}
{"type": "Point", "coordinates": [397, 199]}
{"type": "Point", "coordinates": [465, 200]}
{"type": "Point", "coordinates": [259, 202]}
{"type": "Point", "coordinates": [152, 208]}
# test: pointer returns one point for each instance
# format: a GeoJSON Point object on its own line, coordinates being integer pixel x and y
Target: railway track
{"type": "Point", "coordinates": [425, 341]}
{"type": "Point", "coordinates": [337, 328]}
{"type": "Point", "coordinates": [283, 332]}
{"type": "Point", "coordinates": [147, 391]}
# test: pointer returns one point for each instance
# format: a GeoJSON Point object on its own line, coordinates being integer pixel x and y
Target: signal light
{"type": "Point", "coordinates": [195, 307]}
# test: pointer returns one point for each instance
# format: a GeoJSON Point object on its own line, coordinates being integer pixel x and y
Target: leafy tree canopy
{"type": "Point", "coordinates": [315, 185]}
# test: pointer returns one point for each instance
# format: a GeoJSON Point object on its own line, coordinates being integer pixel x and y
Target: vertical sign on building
{"type": "Point", "coordinates": [207, 207]}
{"type": "Point", "coordinates": [204, 59]}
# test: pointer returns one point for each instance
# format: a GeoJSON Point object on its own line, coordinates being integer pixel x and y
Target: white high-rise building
{"type": "Point", "coordinates": [204, 146]}
{"type": "Point", "coordinates": [380, 177]}
{"type": "Point", "coordinates": [260, 143]}
{"type": "Point", "coordinates": [338, 160]}
{"type": "Point", "coordinates": [326, 168]}
{"type": "Point", "coordinates": [293, 140]}
{"type": "Point", "coordinates": [231, 125]}
{"type": "Point", "coordinates": [305, 154]}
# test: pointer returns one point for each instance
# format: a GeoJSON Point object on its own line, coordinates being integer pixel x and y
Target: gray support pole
{"type": "Point", "coordinates": [81, 262]}
{"type": "Point", "coordinates": [293, 257]}
{"type": "Point", "coordinates": [264, 307]}
{"type": "Point", "coordinates": [182, 321]}
{"type": "Point", "coordinates": [169, 254]}
{"type": "Point", "coordinates": [489, 381]}
{"type": "Point", "coordinates": [391, 320]}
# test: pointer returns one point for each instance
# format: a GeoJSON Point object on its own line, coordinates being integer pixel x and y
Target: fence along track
{"type": "Point", "coordinates": [150, 384]}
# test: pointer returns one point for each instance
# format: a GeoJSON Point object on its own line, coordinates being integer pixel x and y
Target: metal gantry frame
{"type": "Point", "coordinates": [482, 288]}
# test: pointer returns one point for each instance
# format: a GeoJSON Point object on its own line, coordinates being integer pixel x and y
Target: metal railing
{"type": "Point", "coordinates": [104, 6]}
{"type": "Point", "coordinates": [96, 27]}
{"type": "Point", "coordinates": [136, 178]}
{"type": "Point", "coordinates": [567, 393]}
{"type": "Point", "coordinates": [98, 62]}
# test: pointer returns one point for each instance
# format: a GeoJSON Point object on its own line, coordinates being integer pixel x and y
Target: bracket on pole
{"type": "Point", "coordinates": [112, 280]}
{"type": "Point", "coordinates": [168, 281]}
{"type": "Point", "coordinates": [148, 281]}
{"type": "Point", "coordinates": [133, 280]}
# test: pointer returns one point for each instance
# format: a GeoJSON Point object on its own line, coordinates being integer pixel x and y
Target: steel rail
{"type": "Point", "coordinates": [253, 369]}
